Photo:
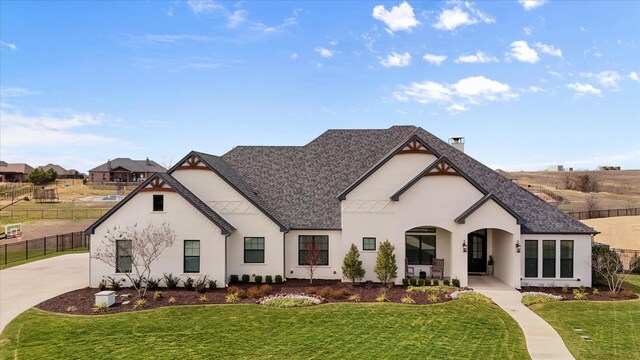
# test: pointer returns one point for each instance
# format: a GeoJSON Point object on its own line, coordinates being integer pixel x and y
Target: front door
{"type": "Point", "coordinates": [477, 253]}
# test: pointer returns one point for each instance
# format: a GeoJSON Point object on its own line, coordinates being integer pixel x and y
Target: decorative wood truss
{"type": "Point", "coordinates": [443, 168]}
{"type": "Point", "coordinates": [415, 147]}
{"type": "Point", "coordinates": [193, 163]}
{"type": "Point", "coordinates": [156, 185]}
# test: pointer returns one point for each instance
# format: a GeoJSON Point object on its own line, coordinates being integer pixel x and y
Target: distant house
{"type": "Point", "coordinates": [555, 168]}
{"type": "Point", "coordinates": [62, 172]}
{"type": "Point", "coordinates": [125, 170]}
{"type": "Point", "coordinates": [14, 172]}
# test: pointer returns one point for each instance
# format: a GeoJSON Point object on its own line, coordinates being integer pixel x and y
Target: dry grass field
{"type": "Point", "coordinates": [619, 232]}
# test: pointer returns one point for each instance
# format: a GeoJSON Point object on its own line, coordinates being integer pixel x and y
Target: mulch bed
{"type": "Point", "coordinates": [603, 293]}
{"type": "Point", "coordinates": [81, 301]}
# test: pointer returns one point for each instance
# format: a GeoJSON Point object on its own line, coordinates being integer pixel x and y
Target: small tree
{"type": "Point", "coordinates": [386, 268]}
{"type": "Point", "coordinates": [314, 258]}
{"type": "Point", "coordinates": [146, 247]}
{"type": "Point", "coordinates": [352, 265]}
{"type": "Point", "coordinates": [609, 265]}
{"type": "Point", "coordinates": [591, 203]}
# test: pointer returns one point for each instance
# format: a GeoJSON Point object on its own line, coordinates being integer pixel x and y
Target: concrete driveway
{"type": "Point", "coordinates": [24, 286]}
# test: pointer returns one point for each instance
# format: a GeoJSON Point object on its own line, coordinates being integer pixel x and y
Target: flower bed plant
{"type": "Point", "coordinates": [530, 298]}
{"type": "Point", "coordinates": [290, 300]}
{"type": "Point", "coordinates": [439, 289]}
{"type": "Point", "coordinates": [470, 295]}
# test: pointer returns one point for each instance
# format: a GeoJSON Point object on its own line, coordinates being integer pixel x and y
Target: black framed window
{"type": "Point", "coordinates": [308, 244]}
{"type": "Point", "coordinates": [548, 258]}
{"type": "Point", "coordinates": [158, 202]}
{"type": "Point", "coordinates": [123, 256]}
{"type": "Point", "coordinates": [192, 256]}
{"type": "Point", "coordinates": [369, 243]}
{"type": "Point", "coordinates": [420, 249]}
{"type": "Point", "coordinates": [566, 258]}
{"type": "Point", "coordinates": [254, 250]}
{"type": "Point", "coordinates": [531, 258]}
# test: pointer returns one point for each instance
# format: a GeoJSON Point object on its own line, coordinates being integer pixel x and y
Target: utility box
{"type": "Point", "coordinates": [106, 297]}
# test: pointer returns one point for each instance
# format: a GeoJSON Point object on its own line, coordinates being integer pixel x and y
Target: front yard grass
{"type": "Point", "coordinates": [458, 329]}
{"type": "Point", "coordinates": [614, 327]}
{"type": "Point", "coordinates": [632, 283]}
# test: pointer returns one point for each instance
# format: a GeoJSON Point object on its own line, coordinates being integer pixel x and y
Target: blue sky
{"type": "Point", "coordinates": [528, 83]}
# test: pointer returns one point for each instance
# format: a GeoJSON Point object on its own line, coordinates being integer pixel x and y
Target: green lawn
{"type": "Point", "coordinates": [614, 327]}
{"type": "Point", "coordinates": [20, 254]}
{"type": "Point", "coordinates": [455, 330]}
{"type": "Point", "coordinates": [633, 283]}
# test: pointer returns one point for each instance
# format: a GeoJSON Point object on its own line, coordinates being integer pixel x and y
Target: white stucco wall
{"type": "Point", "coordinates": [184, 219]}
{"type": "Point", "coordinates": [331, 271]}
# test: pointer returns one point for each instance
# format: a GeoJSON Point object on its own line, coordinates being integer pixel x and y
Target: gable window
{"type": "Point", "coordinates": [254, 250]}
{"type": "Point", "coordinates": [309, 244]}
{"type": "Point", "coordinates": [123, 256]}
{"type": "Point", "coordinates": [548, 258]}
{"type": "Point", "coordinates": [421, 249]}
{"type": "Point", "coordinates": [531, 258]}
{"type": "Point", "coordinates": [566, 258]}
{"type": "Point", "coordinates": [369, 244]}
{"type": "Point", "coordinates": [158, 202]}
{"type": "Point", "coordinates": [192, 256]}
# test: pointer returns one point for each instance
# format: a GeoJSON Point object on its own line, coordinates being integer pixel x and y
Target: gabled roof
{"type": "Point", "coordinates": [461, 219]}
{"type": "Point", "coordinates": [147, 166]}
{"type": "Point", "coordinates": [230, 176]}
{"type": "Point", "coordinates": [225, 227]}
{"type": "Point", "coordinates": [17, 168]}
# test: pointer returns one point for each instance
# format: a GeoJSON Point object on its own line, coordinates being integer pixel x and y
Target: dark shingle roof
{"type": "Point", "coordinates": [131, 165]}
{"type": "Point", "coordinates": [197, 203]}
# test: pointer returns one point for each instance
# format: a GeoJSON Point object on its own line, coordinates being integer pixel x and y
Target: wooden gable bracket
{"type": "Point", "coordinates": [443, 168]}
{"type": "Point", "coordinates": [157, 185]}
{"type": "Point", "coordinates": [415, 147]}
{"type": "Point", "coordinates": [193, 163]}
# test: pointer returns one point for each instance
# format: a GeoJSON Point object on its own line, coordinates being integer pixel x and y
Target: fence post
{"type": "Point", "coordinates": [72, 238]}
{"type": "Point", "coordinates": [45, 245]}
{"type": "Point", "coordinates": [26, 249]}
{"type": "Point", "coordinates": [5, 254]}
{"type": "Point", "coordinates": [57, 243]}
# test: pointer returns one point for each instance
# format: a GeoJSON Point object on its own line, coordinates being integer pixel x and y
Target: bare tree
{"type": "Point", "coordinates": [591, 203]}
{"type": "Point", "coordinates": [313, 254]}
{"type": "Point", "coordinates": [146, 247]}
{"type": "Point", "coordinates": [610, 265]}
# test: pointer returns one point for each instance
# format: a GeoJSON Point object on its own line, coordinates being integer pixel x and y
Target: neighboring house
{"type": "Point", "coordinates": [254, 209]}
{"type": "Point", "coordinates": [62, 172]}
{"type": "Point", "coordinates": [14, 172]}
{"type": "Point", "coordinates": [125, 170]}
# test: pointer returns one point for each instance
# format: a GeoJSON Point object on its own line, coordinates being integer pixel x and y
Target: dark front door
{"type": "Point", "coordinates": [477, 253]}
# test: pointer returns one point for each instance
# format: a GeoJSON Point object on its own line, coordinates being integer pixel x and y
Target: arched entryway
{"type": "Point", "coordinates": [423, 245]}
{"type": "Point", "coordinates": [492, 251]}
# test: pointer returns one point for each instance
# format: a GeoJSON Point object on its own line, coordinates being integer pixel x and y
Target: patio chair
{"type": "Point", "coordinates": [437, 267]}
{"type": "Point", "coordinates": [409, 271]}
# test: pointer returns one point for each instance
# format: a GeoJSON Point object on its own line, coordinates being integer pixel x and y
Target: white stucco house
{"type": "Point", "coordinates": [254, 209]}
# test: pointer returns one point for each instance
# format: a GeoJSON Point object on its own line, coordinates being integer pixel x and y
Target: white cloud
{"type": "Point", "coordinates": [236, 18]}
{"type": "Point", "coordinates": [203, 6]}
{"type": "Point", "coordinates": [478, 57]}
{"type": "Point", "coordinates": [634, 76]}
{"type": "Point", "coordinates": [549, 49]}
{"type": "Point", "coordinates": [582, 28]}
{"type": "Point", "coordinates": [528, 30]}
{"type": "Point", "coordinates": [274, 29]}
{"type": "Point", "coordinates": [467, 91]}
{"type": "Point", "coordinates": [521, 51]}
{"type": "Point", "coordinates": [9, 45]}
{"type": "Point", "coordinates": [396, 60]}
{"type": "Point", "coordinates": [293, 55]}
{"type": "Point", "coordinates": [584, 89]}
{"type": "Point", "coordinates": [14, 92]}
{"type": "Point", "coordinates": [171, 38]}
{"type": "Point", "coordinates": [449, 19]}
{"type": "Point", "coordinates": [531, 4]}
{"type": "Point", "coordinates": [324, 52]}
{"type": "Point", "coordinates": [434, 59]}
{"type": "Point", "coordinates": [609, 78]}
{"type": "Point", "coordinates": [533, 89]}
{"type": "Point", "coordinates": [333, 42]}
{"type": "Point", "coordinates": [597, 54]}
{"type": "Point", "coordinates": [399, 18]}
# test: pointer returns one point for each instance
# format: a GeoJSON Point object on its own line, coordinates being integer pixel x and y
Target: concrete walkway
{"type": "Point", "coordinates": [24, 286]}
{"type": "Point", "coordinates": [543, 342]}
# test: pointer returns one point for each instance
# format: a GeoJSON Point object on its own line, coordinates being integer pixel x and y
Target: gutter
{"type": "Point", "coordinates": [226, 263]}
{"type": "Point", "coordinates": [284, 255]}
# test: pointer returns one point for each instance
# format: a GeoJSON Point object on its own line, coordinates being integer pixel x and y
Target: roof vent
{"type": "Point", "coordinates": [457, 142]}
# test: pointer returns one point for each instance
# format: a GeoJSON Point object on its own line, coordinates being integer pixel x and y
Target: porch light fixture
{"type": "Point", "coordinates": [464, 246]}
{"type": "Point", "coordinates": [518, 246]}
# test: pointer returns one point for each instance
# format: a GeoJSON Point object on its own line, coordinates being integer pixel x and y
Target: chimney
{"type": "Point", "coordinates": [457, 142]}
{"type": "Point", "coordinates": [109, 164]}
{"type": "Point", "coordinates": [148, 163]}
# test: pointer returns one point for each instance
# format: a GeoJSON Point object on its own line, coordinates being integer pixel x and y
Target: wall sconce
{"type": "Point", "coordinates": [464, 246]}
{"type": "Point", "coordinates": [518, 246]}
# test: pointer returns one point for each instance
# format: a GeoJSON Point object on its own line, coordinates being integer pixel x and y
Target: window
{"type": "Point", "coordinates": [158, 202]}
{"type": "Point", "coordinates": [531, 258]}
{"type": "Point", "coordinates": [254, 250]}
{"type": "Point", "coordinates": [566, 258]}
{"type": "Point", "coordinates": [313, 243]}
{"type": "Point", "coordinates": [123, 256]}
{"type": "Point", "coordinates": [369, 244]}
{"type": "Point", "coordinates": [548, 258]}
{"type": "Point", "coordinates": [421, 249]}
{"type": "Point", "coordinates": [192, 256]}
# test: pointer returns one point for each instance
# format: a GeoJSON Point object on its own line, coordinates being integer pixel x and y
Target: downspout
{"type": "Point", "coordinates": [226, 263]}
{"type": "Point", "coordinates": [284, 255]}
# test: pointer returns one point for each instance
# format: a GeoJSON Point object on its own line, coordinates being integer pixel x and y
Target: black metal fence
{"type": "Point", "coordinates": [77, 214]}
{"type": "Point", "coordinates": [28, 249]}
{"type": "Point", "coordinates": [543, 190]}
{"type": "Point", "coordinates": [597, 214]}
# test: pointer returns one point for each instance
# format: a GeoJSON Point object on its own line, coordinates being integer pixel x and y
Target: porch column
{"type": "Point", "coordinates": [458, 264]}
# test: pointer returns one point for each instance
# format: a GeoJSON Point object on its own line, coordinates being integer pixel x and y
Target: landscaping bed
{"type": "Point", "coordinates": [598, 292]}
{"type": "Point", "coordinates": [81, 301]}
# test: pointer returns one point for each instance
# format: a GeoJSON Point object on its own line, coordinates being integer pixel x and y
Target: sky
{"type": "Point", "coordinates": [527, 83]}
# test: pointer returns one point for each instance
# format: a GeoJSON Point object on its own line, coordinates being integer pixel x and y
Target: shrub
{"type": "Point", "coordinates": [427, 282]}
{"type": "Point", "coordinates": [278, 279]}
{"type": "Point", "coordinates": [268, 279]}
{"type": "Point", "coordinates": [634, 264]}
{"type": "Point", "coordinates": [236, 290]}
{"type": "Point", "coordinates": [530, 298]}
{"type": "Point", "coordinates": [170, 281]}
{"type": "Point", "coordinates": [474, 296]}
{"type": "Point", "coordinates": [455, 282]}
{"type": "Point", "coordinates": [311, 290]}
{"type": "Point", "coordinates": [413, 281]}
{"type": "Point", "coordinates": [114, 284]}
{"type": "Point", "coordinates": [203, 298]}
{"type": "Point", "coordinates": [579, 294]}
{"type": "Point", "coordinates": [171, 300]}
{"type": "Point", "coordinates": [341, 293]}
{"type": "Point", "coordinates": [446, 282]}
{"type": "Point", "coordinates": [100, 307]}
{"type": "Point", "coordinates": [157, 295]}
{"type": "Point", "coordinates": [565, 290]}
{"type": "Point", "coordinates": [421, 282]}
{"type": "Point", "coordinates": [71, 308]}
{"type": "Point", "coordinates": [140, 303]}
{"type": "Point", "coordinates": [258, 279]}
{"type": "Point", "coordinates": [232, 298]}
{"type": "Point", "coordinates": [435, 282]}
{"type": "Point", "coordinates": [233, 279]}
{"type": "Point", "coordinates": [253, 292]}
{"type": "Point", "coordinates": [136, 282]}
{"type": "Point", "coordinates": [595, 292]}
{"type": "Point", "coordinates": [290, 300]}
{"type": "Point", "coordinates": [201, 284]}
{"type": "Point", "coordinates": [188, 283]}
{"type": "Point", "coordinates": [431, 289]}
{"type": "Point", "coordinates": [407, 299]}
{"type": "Point", "coordinates": [382, 297]}
{"type": "Point", "coordinates": [212, 284]}
{"type": "Point", "coordinates": [433, 297]}
{"type": "Point", "coordinates": [355, 298]}
{"type": "Point", "coordinates": [153, 284]}
{"type": "Point", "coordinates": [352, 265]}
{"type": "Point", "coordinates": [326, 292]}
{"type": "Point", "coordinates": [405, 282]}
{"type": "Point", "coordinates": [102, 285]}
{"type": "Point", "coordinates": [245, 278]}
{"type": "Point", "coordinates": [386, 268]}
{"type": "Point", "coordinates": [265, 289]}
